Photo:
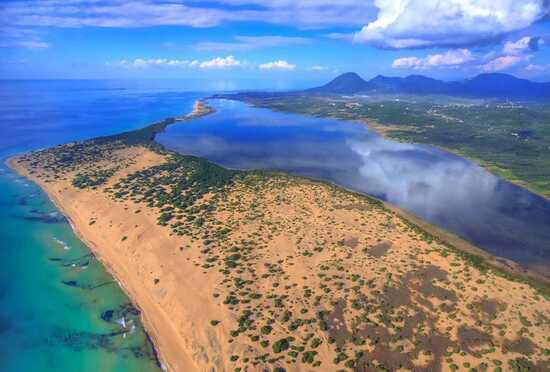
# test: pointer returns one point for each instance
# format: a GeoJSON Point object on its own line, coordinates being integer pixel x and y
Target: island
{"type": "Point", "coordinates": [252, 270]}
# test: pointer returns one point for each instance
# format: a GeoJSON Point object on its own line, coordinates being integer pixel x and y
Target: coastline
{"type": "Point", "coordinates": [501, 265]}
{"type": "Point", "coordinates": [156, 322]}
{"type": "Point", "coordinates": [136, 299]}
{"type": "Point", "coordinates": [149, 314]}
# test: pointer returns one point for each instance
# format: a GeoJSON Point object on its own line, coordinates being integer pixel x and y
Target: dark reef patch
{"type": "Point", "coordinates": [48, 218]}
{"type": "Point", "coordinates": [90, 287]}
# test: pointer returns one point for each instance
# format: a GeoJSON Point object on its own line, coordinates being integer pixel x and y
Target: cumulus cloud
{"type": "Point", "coordinates": [215, 63]}
{"type": "Point", "coordinates": [153, 62]}
{"type": "Point", "coordinates": [449, 59]}
{"type": "Point", "coordinates": [523, 45]}
{"type": "Point", "coordinates": [279, 65]}
{"type": "Point", "coordinates": [427, 23]}
{"type": "Point", "coordinates": [220, 63]}
{"type": "Point", "coordinates": [504, 63]}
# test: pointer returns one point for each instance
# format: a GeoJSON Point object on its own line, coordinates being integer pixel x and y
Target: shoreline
{"type": "Point", "coordinates": [147, 312]}
{"type": "Point", "coordinates": [506, 266]}
{"type": "Point", "coordinates": [151, 332]}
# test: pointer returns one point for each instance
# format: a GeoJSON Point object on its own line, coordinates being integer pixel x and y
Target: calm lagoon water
{"type": "Point", "coordinates": [442, 188]}
{"type": "Point", "coordinates": [59, 309]}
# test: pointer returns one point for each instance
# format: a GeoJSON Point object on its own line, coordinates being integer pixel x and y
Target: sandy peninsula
{"type": "Point", "coordinates": [253, 271]}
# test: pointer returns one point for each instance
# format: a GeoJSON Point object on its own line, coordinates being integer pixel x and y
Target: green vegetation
{"type": "Point", "coordinates": [281, 345]}
{"type": "Point", "coordinates": [370, 310]}
{"type": "Point", "coordinates": [174, 188]}
{"type": "Point", "coordinates": [93, 178]}
{"type": "Point", "coordinates": [510, 140]}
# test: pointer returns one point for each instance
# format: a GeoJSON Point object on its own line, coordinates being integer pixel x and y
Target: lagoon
{"type": "Point", "coordinates": [449, 191]}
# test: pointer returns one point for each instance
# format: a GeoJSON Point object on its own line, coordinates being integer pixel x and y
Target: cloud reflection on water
{"type": "Point", "coordinates": [442, 188]}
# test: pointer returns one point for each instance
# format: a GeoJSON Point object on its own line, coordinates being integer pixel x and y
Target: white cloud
{"type": "Point", "coordinates": [277, 65]}
{"type": "Point", "coordinates": [318, 68]}
{"type": "Point", "coordinates": [537, 68]}
{"type": "Point", "coordinates": [220, 63]}
{"type": "Point", "coordinates": [425, 23]}
{"type": "Point", "coordinates": [193, 13]}
{"type": "Point", "coordinates": [157, 62]}
{"type": "Point", "coordinates": [340, 36]}
{"type": "Point", "coordinates": [407, 62]}
{"type": "Point", "coordinates": [504, 63]}
{"type": "Point", "coordinates": [252, 42]}
{"type": "Point", "coordinates": [449, 59]}
{"type": "Point", "coordinates": [17, 37]}
{"type": "Point", "coordinates": [215, 63]}
{"type": "Point", "coordinates": [27, 44]}
{"type": "Point", "coordinates": [523, 45]}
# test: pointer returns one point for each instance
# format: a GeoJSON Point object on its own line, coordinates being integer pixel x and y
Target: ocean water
{"type": "Point", "coordinates": [442, 188]}
{"type": "Point", "coordinates": [59, 309]}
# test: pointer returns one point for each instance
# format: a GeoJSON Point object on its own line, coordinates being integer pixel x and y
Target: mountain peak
{"type": "Point", "coordinates": [346, 83]}
{"type": "Point", "coordinates": [495, 76]}
{"type": "Point", "coordinates": [487, 85]}
{"type": "Point", "coordinates": [349, 75]}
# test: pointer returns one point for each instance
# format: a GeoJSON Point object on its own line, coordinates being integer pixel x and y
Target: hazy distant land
{"type": "Point", "coordinates": [244, 270]}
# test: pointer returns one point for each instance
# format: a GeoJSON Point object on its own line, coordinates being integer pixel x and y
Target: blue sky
{"type": "Point", "coordinates": [297, 42]}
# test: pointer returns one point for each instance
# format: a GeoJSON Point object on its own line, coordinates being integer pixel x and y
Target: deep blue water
{"type": "Point", "coordinates": [445, 189]}
{"type": "Point", "coordinates": [52, 293]}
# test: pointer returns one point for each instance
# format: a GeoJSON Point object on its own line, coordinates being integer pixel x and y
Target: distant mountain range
{"type": "Point", "coordinates": [482, 86]}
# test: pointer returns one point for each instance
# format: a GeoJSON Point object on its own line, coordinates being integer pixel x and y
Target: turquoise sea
{"type": "Point", "coordinates": [59, 309]}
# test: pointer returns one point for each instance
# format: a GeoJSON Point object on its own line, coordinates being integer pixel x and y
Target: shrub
{"type": "Point", "coordinates": [281, 345]}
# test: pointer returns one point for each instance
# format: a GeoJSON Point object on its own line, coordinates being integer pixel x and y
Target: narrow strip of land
{"type": "Point", "coordinates": [250, 270]}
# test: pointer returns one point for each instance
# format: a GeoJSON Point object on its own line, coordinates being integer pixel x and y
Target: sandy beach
{"type": "Point", "coordinates": [302, 240]}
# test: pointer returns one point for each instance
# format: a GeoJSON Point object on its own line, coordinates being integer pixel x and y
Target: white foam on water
{"type": "Point", "coordinates": [62, 243]}
{"type": "Point", "coordinates": [122, 322]}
